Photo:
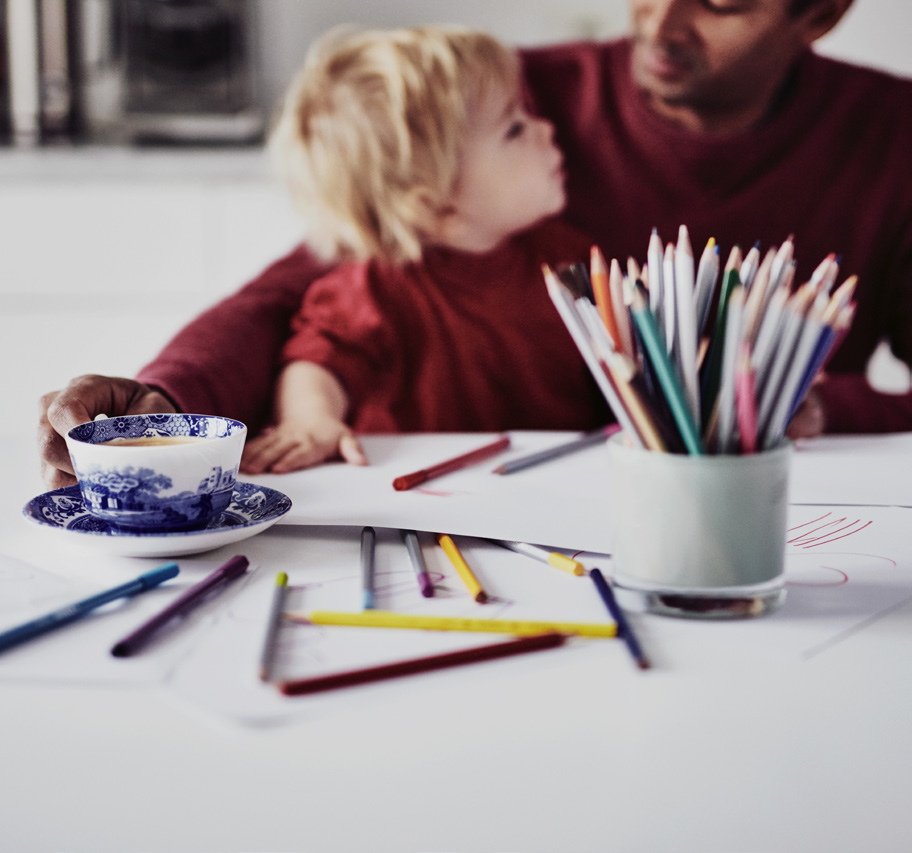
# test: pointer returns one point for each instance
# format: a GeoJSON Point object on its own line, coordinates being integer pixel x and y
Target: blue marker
{"type": "Point", "coordinates": [72, 612]}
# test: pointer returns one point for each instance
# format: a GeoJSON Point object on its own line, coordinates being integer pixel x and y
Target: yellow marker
{"type": "Point", "coordinates": [552, 558]}
{"type": "Point", "coordinates": [391, 619]}
{"type": "Point", "coordinates": [462, 567]}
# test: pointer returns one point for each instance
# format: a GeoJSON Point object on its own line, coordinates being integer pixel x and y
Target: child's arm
{"type": "Point", "coordinates": [310, 410]}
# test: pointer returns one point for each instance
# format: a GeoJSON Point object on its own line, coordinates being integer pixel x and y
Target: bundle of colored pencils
{"type": "Point", "coordinates": [694, 362]}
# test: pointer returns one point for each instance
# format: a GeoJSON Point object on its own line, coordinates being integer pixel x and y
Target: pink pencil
{"type": "Point", "coordinates": [746, 400]}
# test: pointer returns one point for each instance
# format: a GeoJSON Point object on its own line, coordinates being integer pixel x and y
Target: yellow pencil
{"type": "Point", "coordinates": [391, 619]}
{"type": "Point", "coordinates": [462, 568]}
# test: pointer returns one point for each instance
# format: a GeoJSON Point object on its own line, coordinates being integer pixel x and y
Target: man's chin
{"type": "Point", "coordinates": [660, 77]}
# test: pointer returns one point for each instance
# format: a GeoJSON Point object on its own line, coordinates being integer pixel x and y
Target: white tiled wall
{"type": "Point", "coordinates": [103, 257]}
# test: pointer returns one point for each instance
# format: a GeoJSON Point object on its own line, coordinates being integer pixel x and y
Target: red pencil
{"type": "Point", "coordinates": [407, 481]}
{"type": "Point", "coordinates": [533, 643]}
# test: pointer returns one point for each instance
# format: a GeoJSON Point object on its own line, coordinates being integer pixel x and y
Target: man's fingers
{"type": "Point", "coordinates": [83, 398]}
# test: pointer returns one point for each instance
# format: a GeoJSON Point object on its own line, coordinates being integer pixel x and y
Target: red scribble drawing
{"type": "Point", "coordinates": [437, 493]}
{"type": "Point", "coordinates": [838, 578]}
{"type": "Point", "coordinates": [825, 529]}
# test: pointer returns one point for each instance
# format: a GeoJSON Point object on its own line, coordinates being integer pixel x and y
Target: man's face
{"type": "Point", "coordinates": [713, 56]}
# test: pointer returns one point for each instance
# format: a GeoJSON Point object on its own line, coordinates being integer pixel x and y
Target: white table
{"type": "Point", "coordinates": [572, 749]}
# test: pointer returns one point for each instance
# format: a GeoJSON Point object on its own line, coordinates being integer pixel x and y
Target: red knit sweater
{"type": "Point", "coordinates": [830, 166]}
{"type": "Point", "coordinates": [456, 343]}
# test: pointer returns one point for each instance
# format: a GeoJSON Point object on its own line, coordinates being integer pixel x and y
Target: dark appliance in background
{"type": "Point", "coordinates": [114, 71]}
{"type": "Point", "coordinates": [189, 70]}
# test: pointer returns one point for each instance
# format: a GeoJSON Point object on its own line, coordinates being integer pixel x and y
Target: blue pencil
{"type": "Point", "coordinates": [72, 612]}
{"type": "Point", "coordinates": [624, 631]}
{"type": "Point", "coordinates": [368, 544]}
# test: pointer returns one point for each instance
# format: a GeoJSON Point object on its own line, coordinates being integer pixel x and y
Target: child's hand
{"type": "Point", "coordinates": [291, 447]}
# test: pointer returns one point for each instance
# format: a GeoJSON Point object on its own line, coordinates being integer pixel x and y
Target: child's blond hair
{"type": "Point", "coordinates": [370, 136]}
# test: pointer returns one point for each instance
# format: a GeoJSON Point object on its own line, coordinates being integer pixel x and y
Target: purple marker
{"type": "Point", "coordinates": [180, 607]}
{"type": "Point", "coordinates": [410, 538]}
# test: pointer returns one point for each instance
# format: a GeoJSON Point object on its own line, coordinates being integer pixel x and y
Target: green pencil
{"type": "Point", "coordinates": [665, 372]}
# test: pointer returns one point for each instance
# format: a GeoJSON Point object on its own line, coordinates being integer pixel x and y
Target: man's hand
{"type": "Point", "coordinates": [810, 419]}
{"type": "Point", "coordinates": [83, 398]}
{"type": "Point", "coordinates": [291, 447]}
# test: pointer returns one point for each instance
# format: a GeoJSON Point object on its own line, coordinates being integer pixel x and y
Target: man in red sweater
{"type": "Point", "coordinates": [715, 114]}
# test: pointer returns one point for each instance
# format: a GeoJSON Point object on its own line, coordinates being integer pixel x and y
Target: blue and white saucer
{"type": "Point", "coordinates": [253, 508]}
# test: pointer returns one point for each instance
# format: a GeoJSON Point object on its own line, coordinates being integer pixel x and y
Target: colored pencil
{"type": "Point", "coordinates": [809, 334]}
{"type": "Point", "coordinates": [276, 610]}
{"type": "Point", "coordinates": [655, 259]}
{"type": "Point", "coordinates": [619, 371]}
{"type": "Point", "coordinates": [416, 478]}
{"type": "Point", "coordinates": [726, 399]}
{"type": "Point", "coordinates": [705, 286]}
{"type": "Point", "coordinates": [824, 346]}
{"type": "Point", "coordinates": [181, 607]}
{"type": "Point", "coordinates": [841, 297]}
{"type": "Point", "coordinates": [624, 631]}
{"type": "Point", "coordinates": [565, 303]}
{"type": "Point", "coordinates": [749, 266]}
{"type": "Point", "coordinates": [784, 256]}
{"type": "Point", "coordinates": [631, 389]}
{"type": "Point", "coordinates": [756, 298]}
{"type": "Point", "coordinates": [669, 304]}
{"type": "Point", "coordinates": [588, 439]}
{"type": "Point", "coordinates": [521, 645]}
{"type": "Point", "coordinates": [619, 304]}
{"type": "Point", "coordinates": [666, 374]}
{"type": "Point", "coordinates": [79, 609]}
{"type": "Point", "coordinates": [462, 568]}
{"type": "Point", "coordinates": [368, 553]}
{"type": "Point", "coordinates": [824, 276]}
{"type": "Point", "coordinates": [712, 369]}
{"type": "Point", "coordinates": [412, 621]}
{"type": "Point", "coordinates": [769, 332]}
{"type": "Point", "coordinates": [685, 317]}
{"type": "Point", "coordinates": [746, 400]}
{"type": "Point", "coordinates": [543, 555]}
{"type": "Point", "coordinates": [413, 546]}
{"type": "Point", "coordinates": [770, 376]}
{"type": "Point", "coordinates": [598, 274]}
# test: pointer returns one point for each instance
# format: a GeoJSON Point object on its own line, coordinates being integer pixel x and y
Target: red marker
{"type": "Point", "coordinates": [408, 481]}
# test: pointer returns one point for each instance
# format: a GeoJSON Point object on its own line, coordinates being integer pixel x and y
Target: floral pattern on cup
{"type": "Point", "coordinates": [153, 488]}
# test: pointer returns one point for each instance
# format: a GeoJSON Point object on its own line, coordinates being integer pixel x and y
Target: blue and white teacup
{"type": "Point", "coordinates": [157, 473]}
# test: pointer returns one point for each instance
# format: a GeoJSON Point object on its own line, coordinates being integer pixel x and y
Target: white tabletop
{"type": "Point", "coordinates": [783, 733]}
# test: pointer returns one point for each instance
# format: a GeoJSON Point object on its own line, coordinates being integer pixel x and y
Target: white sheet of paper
{"type": "Point", "coordinates": [869, 469]}
{"type": "Point", "coordinates": [560, 503]}
{"type": "Point", "coordinates": [81, 651]}
{"type": "Point", "coordinates": [845, 574]}
{"type": "Point", "coordinates": [221, 673]}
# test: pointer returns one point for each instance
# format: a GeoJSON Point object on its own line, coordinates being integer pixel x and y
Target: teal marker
{"type": "Point", "coordinates": [72, 612]}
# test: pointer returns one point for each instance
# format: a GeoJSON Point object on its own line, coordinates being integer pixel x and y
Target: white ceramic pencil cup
{"type": "Point", "coordinates": [698, 536]}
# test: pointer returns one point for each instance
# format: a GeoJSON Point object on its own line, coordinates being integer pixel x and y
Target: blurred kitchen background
{"type": "Point", "coordinates": [134, 190]}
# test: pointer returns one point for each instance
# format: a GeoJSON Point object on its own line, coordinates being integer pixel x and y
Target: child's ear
{"type": "Point", "coordinates": [434, 219]}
